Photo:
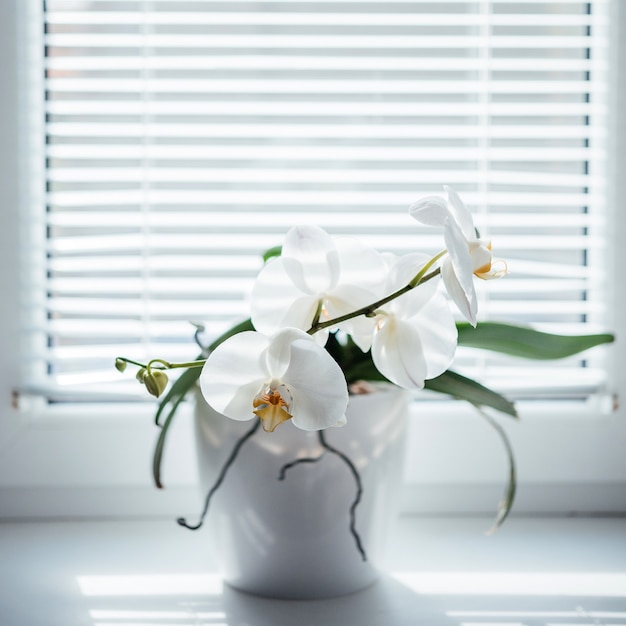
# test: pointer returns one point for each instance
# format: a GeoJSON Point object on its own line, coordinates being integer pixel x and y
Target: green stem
{"type": "Point", "coordinates": [370, 309]}
{"type": "Point", "coordinates": [421, 276]}
{"type": "Point", "coordinates": [121, 358]}
{"type": "Point", "coordinates": [318, 312]}
{"type": "Point", "coordinates": [172, 366]}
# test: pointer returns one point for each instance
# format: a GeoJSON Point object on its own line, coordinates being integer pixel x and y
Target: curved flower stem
{"type": "Point", "coordinates": [288, 466]}
{"type": "Point", "coordinates": [172, 366]}
{"type": "Point", "coordinates": [220, 479]}
{"type": "Point", "coordinates": [359, 491]}
{"type": "Point", "coordinates": [370, 309]}
{"type": "Point", "coordinates": [318, 312]}
{"type": "Point", "coordinates": [422, 276]}
{"type": "Point", "coordinates": [161, 364]}
{"type": "Point", "coordinates": [130, 361]}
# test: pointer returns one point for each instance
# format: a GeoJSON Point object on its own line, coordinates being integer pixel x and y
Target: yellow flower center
{"type": "Point", "coordinates": [271, 409]}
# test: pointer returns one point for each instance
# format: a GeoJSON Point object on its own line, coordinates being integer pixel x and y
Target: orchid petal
{"type": "Point", "coordinates": [401, 272]}
{"type": "Point", "coordinates": [234, 373]}
{"type": "Point", "coordinates": [310, 259]}
{"type": "Point", "coordinates": [481, 257]}
{"type": "Point", "coordinates": [346, 299]}
{"type": "Point", "coordinates": [318, 386]}
{"type": "Point", "coordinates": [430, 210]}
{"type": "Point", "coordinates": [459, 255]}
{"type": "Point", "coordinates": [398, 354]}
{"type": "Point", "coordinates": [241, 407]}
{"type": "Point", "coordinates": [363, 340]}
{"type": "Point", "coordinates": [361, 265]}
{"type": "Point", "coordinates": [276, 303]}
{"type": "Point", "coordinates": [466, 303]}
{"type": "Point", "coordinates": [438, 334]}
{"type": "Point", "coordinates": [278, 353]}
{"type": "Point", "coordinates": [460, 213]}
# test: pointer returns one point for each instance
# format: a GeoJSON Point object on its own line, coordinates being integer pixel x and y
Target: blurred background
{"type": "Point", "coordinates": [153, 150]}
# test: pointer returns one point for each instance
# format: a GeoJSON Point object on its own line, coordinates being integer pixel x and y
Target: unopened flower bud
{"type": "Point", "coordinates": [155, 382]}
{"type": "Point", "coordinates": [120, 365]}
{"type": "Point", "coordinates": [140, 375]}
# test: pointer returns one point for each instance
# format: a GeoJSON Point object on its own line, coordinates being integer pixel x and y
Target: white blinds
{"type": "Point", "coordinates": [185, 137]}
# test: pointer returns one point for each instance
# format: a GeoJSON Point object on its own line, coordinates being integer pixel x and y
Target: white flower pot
{"type": "Point", "coordinates": [291, 538]}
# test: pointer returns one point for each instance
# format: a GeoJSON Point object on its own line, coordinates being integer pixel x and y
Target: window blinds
{"type": "Point", "coordinates": [184, 138]}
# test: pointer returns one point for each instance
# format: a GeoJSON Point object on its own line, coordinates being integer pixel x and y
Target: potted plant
{"type": "Point", "coordinates": [332, 320]}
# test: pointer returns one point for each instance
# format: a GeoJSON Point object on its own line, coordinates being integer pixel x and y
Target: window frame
{"type": "Point", "coordinates": [94, 459]}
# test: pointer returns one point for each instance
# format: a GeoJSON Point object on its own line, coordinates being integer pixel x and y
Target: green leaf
{"type": "Point", "coordinates": [363, 370]}
{"type": "Point", "coordinates": [177, 393]}
{"type": "Point", "coordinates": [506, 503]}
{"type": "Point", "coordinates": [525, 342]}
{"type": "Point", "coordinates": [178, 390]}
{"type": "Point", "coordinates": [160, 444]}
{"type": "Point", "coordinates": [463, 388]}
{"type": "Point", "coordinates": [271, 253]}
{"type": "Point", "coordinates": [235, 330]}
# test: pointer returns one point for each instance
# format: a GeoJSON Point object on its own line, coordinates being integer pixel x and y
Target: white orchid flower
{"type": "Point", "coordinates": [315, 273]}
{"type": "Point", "coordinates": [468, 255]}
{"type": "Point", "coordinates": [285, 377]}
{"type": "Point", "coordinates": [413, 338]}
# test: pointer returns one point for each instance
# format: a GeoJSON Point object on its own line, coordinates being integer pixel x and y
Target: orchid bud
{"type": "Point", "coordinates": [120, 365]}
{"type": "Point", "coordinates": [155, 382]}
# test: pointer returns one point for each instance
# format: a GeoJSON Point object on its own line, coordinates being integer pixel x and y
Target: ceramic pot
{"type": "Point", "coordinates": [292, 538]}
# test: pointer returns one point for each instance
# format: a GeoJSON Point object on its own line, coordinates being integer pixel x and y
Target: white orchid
{"type": "Point", "coordinates": [468, 255]}
{"type": "Point", "coordinates": [285, 377]}
{"type": "Point", "coordinates": [316, 275]}
{"type": "Point", "coordinates": [268, 368]}
{"type": "Point", "coordinates": [413, 338]}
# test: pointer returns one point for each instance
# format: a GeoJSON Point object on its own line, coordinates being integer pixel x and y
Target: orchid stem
{"type": "Point", "coordinates": [359, 491]}
{"type": "Point", "coordinates": [220, 479]}
{"type": "Point", "coordinates": [419, 279]}
{"type": "Point", "coordinates": [172, 366]}
{"type": "Point", "coordinates": [125, 360]}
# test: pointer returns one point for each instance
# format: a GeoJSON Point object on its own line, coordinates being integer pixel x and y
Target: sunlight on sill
{"type": "Point", "coordinates": [155, 615]}
{"type": "Point", "coordinates": [151, 585]}
{"type": "Point", "coordinates": [579, 613]}
{"type": "Point", "coordinates": [596, 584]}
{"type": "Point", "coordinates": [566, 584]}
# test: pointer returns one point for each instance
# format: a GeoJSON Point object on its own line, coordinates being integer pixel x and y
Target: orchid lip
{"type": "Point", "coordinates": [272, 405]}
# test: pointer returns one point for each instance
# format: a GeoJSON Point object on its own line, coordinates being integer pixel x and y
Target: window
{"type": "Point", "coordinates": [183, 139]}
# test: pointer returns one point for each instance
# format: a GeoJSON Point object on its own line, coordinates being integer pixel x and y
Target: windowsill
{"type": "Point", "coordinates": [95, 462]}
{"type": "Point", "coordinates": [438, 571]}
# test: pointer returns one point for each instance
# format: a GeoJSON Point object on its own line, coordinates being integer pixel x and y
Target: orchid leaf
{"type": "Point", "coordinates": [506, 503]}
{"type": "Point", "coordinates": [271, 253]}
{"type": "Point", "coordinates": [525, 342]}
{"type": "Point", "coordinates": [188, 378]}
{"type": "Point", "coordinates": [363, 370]}
{"type": "Point", "coordinates": [160, 444]}
{"type": "Point", "coordinates": [235, 330]}
{"type": "Point", "coordinates": [463, 388]}
{"type": "Point", "coordinates": [177, 391]}
{"type": "Point", "coordinates": [450, 383]}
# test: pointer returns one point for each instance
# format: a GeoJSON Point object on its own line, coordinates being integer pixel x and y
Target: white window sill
{"type": "Point", "coordinates": [439, 571]}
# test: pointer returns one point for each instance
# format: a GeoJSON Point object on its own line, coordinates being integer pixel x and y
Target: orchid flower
{"type": "Point", "coordinates": [315, 276]}
{"type": "Point", "coordinates": [284, 377]}
{"type": "Point", "coordinates": [468, 255]}
{"type": "Point", "coordinates": [413, 338]}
